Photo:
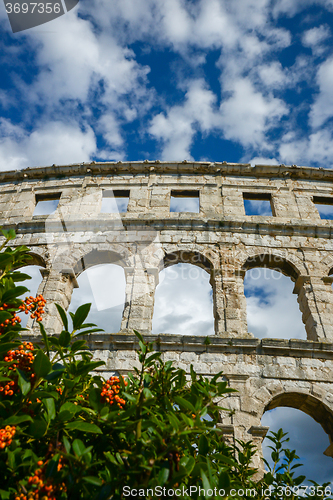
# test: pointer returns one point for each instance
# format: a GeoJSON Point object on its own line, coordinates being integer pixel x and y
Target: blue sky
{"type": "Point", "coordinates": [218, 80]}
{"type": "Point", "coordinates": [135, 79]}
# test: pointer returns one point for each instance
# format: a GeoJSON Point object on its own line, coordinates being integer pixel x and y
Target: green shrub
{"type": "Point", "coordinates": [65, 432]}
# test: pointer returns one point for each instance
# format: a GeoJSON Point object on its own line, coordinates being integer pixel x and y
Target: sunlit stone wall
{"type": "Point", "coordinates": [220, 238]}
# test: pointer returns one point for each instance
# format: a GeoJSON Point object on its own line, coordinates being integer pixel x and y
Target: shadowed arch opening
{"type": "Point", "coordinates": [98, 257]}
{"type": "Point", "coordinates": [186, 257]}
{"type": "Point", "coordinates": [309, 424]}
{"type": "Point", "coordinates": [309, 405]}
{"type": "Point", "coordinates": [184, 296]}
{"type": "Point", "coordinates": [274, 262]}
{"type": "Point", "coordinates": [36, 260]}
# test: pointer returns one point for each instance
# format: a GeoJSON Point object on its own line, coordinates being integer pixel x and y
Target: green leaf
{"type": "Point", "coordinates": [23, 383]}
{"type": "Point", "coordinates": [93, 480]}
{"type": "Point", "coordinates": [13, 293]}
{"type": "Point", "coordinates": [163, 476]}
{"type": "Point", "coordinates": [41, 365]}
{"type": "Point", "coordinates": [64, 338]}
{"type": "Point", "coordinates": [18, 276]}
{"type": "Point", "coordinates": [78, 447]}
{"type": "Point", "coordinates": [63, 316]}
{"type": "Point", "coordinates": [66, 444]}
{"type": "Point", "coordinates": [16, 419]}
{"type": "Point", "coordinates": [173, 421]}
{"type": "Point", "coordinates": [203, 445]}
{"type": "Point", "coordinates": [224, 481]}
{"type": "Point", "coordinates": [206, 484]}
{"type": "Point", "coordinates": [8, 346]}
{"type": "Point", "coordinates": [4, 315]}
{"type": "Point", "coordinates": [80, 316]}
{"type": "Point", "coordinates": [57, 371]}
{"type": "Point", "coordinates": [138, 335]}
{"type": "Point", "coordinates": [37, 428]}
{"type": "Point", "coordinates": [77, 345]}
{"type": "Point", "coordinates": [89, 367]}
{"type": "Point", "coordinates": [45, 338]}
{"type": "Point", "coordinates": [50, 408]}
{"type": "Point", "coordinates": [54, 341]}
{"type": "Point", "coordinates": [95, 398]}
{"type": "Point", "coordinates": [184, 403]}
{"type": "Point", "coordinates": [80, 425]}
{"type": "Point", "coordinates": [188, 463]}
{"type": "Point", "coordinates": [68, 406]}
{"type": "Point", "coordinates": [69, 383]}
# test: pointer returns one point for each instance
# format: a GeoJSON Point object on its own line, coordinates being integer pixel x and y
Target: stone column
{"type": "Point", "coordinates": [243, 421]}
{"type": "Point", "coordinates": [139, 298]}
{"type": "Point", "coordinates": [56, 288]}
{"type": "Point", "coordinates": [229, 299]}
{"type": "Point", "coordinates": [216, 282]}
{"type": "Point", "coordinates": [315, 298]}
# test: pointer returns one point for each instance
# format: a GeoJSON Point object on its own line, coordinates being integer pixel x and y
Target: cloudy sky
{"type": "Point", "coordinates": [241, 81]}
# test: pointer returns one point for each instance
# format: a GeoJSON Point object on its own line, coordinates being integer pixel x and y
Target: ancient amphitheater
{"type": "Point", "coordinates": [221, 239]}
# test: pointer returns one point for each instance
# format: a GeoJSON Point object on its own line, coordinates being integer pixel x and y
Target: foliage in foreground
{"type": "Point", "coordinates": [65, 432]}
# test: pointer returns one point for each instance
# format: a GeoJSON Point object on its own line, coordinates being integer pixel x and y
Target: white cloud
{"type": "Point", "coordinates": [177, 128]}
{"type": "Point", "coordinates": [103, 287]}
{"type": "Point", "coordinates": [53, 142]}
{"type": "Point", "coordinates": [272, 75]}
{"type": "Point", "coordinates": [183, 302]}
{"type": "Point", "coordinates": [315, 37]}
{"type": "Point", "coordinates": [261, 160]}
{"type": "Point", "coordinates": [322, 109]}
{"type": "Point", "coordinates": [272, 308]}
{"type": "Point", "coordinates": [316, 149]}
{"type": "Point", "coordinates": [247, 114]}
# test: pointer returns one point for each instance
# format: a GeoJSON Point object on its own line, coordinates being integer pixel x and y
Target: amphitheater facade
{"type": "Point", "coordinates": [222, 240]}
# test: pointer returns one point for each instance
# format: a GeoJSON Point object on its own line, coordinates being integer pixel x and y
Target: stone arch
{"type": "Point", "coordinates": [96, 257]}
{"type": "Point", "coordinates": [309, 404]}
{"type": "Point", "coordinates": [36, 260]}
{"type": "Point", "coordinates": [187, 257]}
{"type": "Point", "coordinates": [272, 261]}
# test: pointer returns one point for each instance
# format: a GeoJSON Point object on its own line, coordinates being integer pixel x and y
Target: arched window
{"type": "Point", "coordinates": [184, 301]}
{"type": "Point", "coordinates": [272, 308]}
{"type": "Point", "coordinates": [103, 286]}
{"type": "Point", "coordinates": [306, 436]}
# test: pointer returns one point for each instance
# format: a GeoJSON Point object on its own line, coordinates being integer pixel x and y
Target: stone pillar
{"type": "Point", "coordinates": [139, 299]}
{"type": "Point", "coordinates": [243, 421]}
{"type": "Point", "coordinates": [232, 199]}
{"type": "Point", "coordinates": [216, 282]}
{"type": "Point", "coordinates": [56, 288]}
{"type": "Point", "coordinates": [315, 298]}
{"type": "Point", "coordinates": [229, 299]}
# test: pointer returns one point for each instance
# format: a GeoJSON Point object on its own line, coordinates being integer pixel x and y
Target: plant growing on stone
{"type": "Point", "coordinates": [67, 433]}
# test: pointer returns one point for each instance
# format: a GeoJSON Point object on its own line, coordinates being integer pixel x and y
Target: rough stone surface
{"type": "Point", "coordinates": [220, 239]}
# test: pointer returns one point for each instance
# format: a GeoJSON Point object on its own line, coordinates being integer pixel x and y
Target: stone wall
{"type": "Point", "coordinates": [221, 239]}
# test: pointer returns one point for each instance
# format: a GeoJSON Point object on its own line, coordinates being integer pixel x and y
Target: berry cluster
{"type": "Point", "coordinates": [8, 388]}
{"type": "Point", "coordinates": [40, 487]}
{"type": "Point", "coordinates": [34, 304]}
{"type": "Point", "coordinates": [110, 392]}
{"type": "Point", "coordinates": [8, 322]}
{"type": "Point", "coordinates": [6, 436]}
{"type": "Point", "coordinates": [22, 358]}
